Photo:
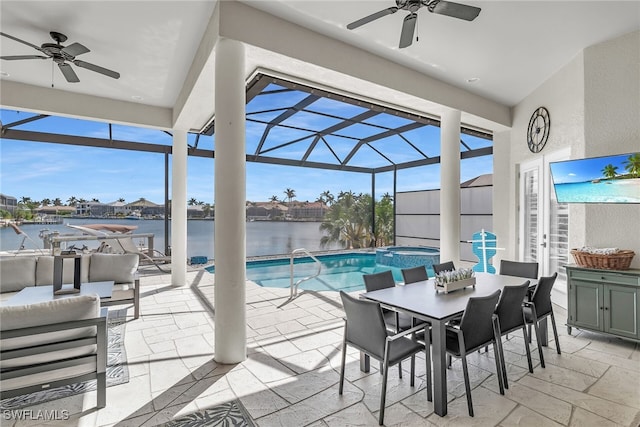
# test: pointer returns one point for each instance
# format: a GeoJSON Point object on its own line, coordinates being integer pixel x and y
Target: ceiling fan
{"type": "Point", "coordinates": [441, 7]}
{"type": "Point", "coordinates": [62, 56]}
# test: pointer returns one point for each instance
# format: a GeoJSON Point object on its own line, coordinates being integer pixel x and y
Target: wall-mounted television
{"type": "Point", "coordinates": [609, 179]}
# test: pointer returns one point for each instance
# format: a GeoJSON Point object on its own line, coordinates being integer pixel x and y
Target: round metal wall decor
{"type": "Point", "coordinates": [538, 131]}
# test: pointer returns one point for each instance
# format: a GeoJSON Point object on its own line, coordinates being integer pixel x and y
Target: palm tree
{"type": "Point", "coordinates": [57, 202]}
{"type": "Point", "coordinates": [609, 171]}
{"type": "Point", "coordinates": [45, 202]}
{"type": "Point", "coordinates": [25, 200]}
{"type": "Point", "coordinates": [632, 165]}
{"type": "Point", "coordinates": [326, 198]}
{"type": "Point", "coordinates": [274, 199]}
{"type": "Point", "coordinates": [192, 201]}
{"type": "Point", "coordinates": [121, 200]}
{"type": "Point", "coordinates": [95, 200]}
{"type": "Point", "coordinates": [290, 193]}
{"type": "Point", "coordinates": [72, 200]}
{"type": "Point", "coordinates": [348, 221]}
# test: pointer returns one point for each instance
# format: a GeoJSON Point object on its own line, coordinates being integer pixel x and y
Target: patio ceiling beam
{"type": "Point", "coordinates": [23, 121]}
{"type": "Point", "coordinates": [382, 135]}
{"type": "Point", "coordinates": [284, 116]}
{"type": "Point", "coordinates": [315, 165]}
{"type": "Point", "coordinates": [486, 151]}
{"type": "Point", "coordinates": [310, 149]}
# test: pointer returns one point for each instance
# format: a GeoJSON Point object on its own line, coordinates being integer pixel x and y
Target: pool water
{"type": "Point", "coordinates": [340, 272]}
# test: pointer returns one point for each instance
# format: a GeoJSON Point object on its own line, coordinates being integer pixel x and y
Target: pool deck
{"type": "Point", "coordinates": [290, 376]}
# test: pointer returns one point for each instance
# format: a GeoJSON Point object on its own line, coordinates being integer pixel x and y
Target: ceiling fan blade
{"type": "Point", "coordinates": [68, 73]}
{"type": "Point", "coordinates": [15, 57]}
{"type": "Point", "coordinates": [75, 49]}
{"type": "Point", "coordinates": [372, 17]}
{"type": "Point", "coordinates": [21, 41]}
{"type": "Point", "coordinates": [97, 69]}
{"type": "Point", "coordinates": [408, 28]}
{"type": "Point", "coordinates": [455, 10]}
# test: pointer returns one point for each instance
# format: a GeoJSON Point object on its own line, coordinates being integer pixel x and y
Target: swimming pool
{"type": "Point", "coordinates": [340, 272]}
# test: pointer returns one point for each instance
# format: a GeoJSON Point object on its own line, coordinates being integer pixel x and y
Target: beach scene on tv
{"type": "Point", "coordinates": [611, 179]}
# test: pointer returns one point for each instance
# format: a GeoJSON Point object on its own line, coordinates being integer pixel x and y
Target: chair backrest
{"type": "Point", "coordinates": [414, 274]}
{"type": "Point", "coordinates": [375, 281]}
{"type": "Point", "coordinates": [528, 270]}
{"type": "Point", "coordinates": [445, 266]}
{"type": "Point", "coordinates": [476, 323]}
{"type": "Point", "coordinates": [542, 295]}
{"type": "Point", "coordinates": [509, 309]}
{"type": "Point", "coordinates": [365, 328]}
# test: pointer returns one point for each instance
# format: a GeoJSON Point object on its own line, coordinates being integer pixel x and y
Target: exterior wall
{"type": "Point", "coordinates": [612, 126]}
{"type": "Point", "coordinates": [418, 217]}
{"type": "Point", "coordinates": [594, 102]}
{"type": "Point", "coordinates": [8, 203]}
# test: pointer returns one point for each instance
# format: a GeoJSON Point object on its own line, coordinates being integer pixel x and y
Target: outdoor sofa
{"type": "Point", "coordinates": [21, 271]}
{"type": "Point", "coordinates": [52, 344]}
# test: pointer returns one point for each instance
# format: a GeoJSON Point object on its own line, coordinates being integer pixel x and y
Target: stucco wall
{"type": "Point", "coordinates": [594, 103]}
{"type": "Point", "coordinates": [612, 126]}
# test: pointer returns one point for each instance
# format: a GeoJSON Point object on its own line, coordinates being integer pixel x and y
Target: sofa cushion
{"type": "Point", "coordinates": [121, 268]}
{"type": "Point", "coordinates": [44, 270]}
{"type": "Point", "coordinates": [44, 313]}
{"type": "Point", "coordinates": [17, 272]}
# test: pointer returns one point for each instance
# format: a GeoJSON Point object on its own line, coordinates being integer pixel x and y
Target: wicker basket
{"type": "Point", "coordinates": [618, 261]}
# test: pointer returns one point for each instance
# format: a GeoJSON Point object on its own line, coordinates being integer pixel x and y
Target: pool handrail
{"type": "Point", "coordinates": [294, 286]}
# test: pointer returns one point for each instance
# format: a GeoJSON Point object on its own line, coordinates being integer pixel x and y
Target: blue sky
{"type": "Point", "coordinates": [582, 170]}
{"type": "Point", "coordinates": [41, 170]}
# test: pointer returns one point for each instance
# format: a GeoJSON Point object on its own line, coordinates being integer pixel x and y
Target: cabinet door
{"type": "Point", "coordinates": [585, 305]}
{"type": "Point", "coordinates": [621, 310]}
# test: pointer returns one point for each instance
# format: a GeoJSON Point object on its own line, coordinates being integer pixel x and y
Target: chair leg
{"type": "Point", "coordinates": [427, 357]}
{"type": "Point", "coordinates": [413, 370]}
{"type": "Point", "coordinates": [102, 390]}
{"type": "Point", "coordinates": [448, 361]}
{"type": "Point", "coordinates": [501, 370]}
{"type": "Point", "coordinates": [538, 337]}
{"type": "Point", "coordinates": [526, 347]}
{"type": "Point", "coordinates": [383, 393]}
{"type": "Point", "coordinates": [467, 386]}
{"type": "Point", "coordinates": [344, 359]}
{"type": "Point", "coordinates": [555, 331]}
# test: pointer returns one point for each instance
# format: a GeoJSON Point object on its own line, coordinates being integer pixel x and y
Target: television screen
{"type": "Point", "coordinates": [610, 179]}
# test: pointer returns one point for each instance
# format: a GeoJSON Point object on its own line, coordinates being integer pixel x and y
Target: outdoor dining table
{"type": "Point", "coordinates": [422, 301]}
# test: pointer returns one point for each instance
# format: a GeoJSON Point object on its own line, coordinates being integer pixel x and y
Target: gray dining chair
{"type": "Point", "coordinates": [540, 307]}
{"type": "Point", "coordinates": [384, 280]}
{"type": "Point", "coordinates": [528, 270]}
{"type": "Point", "coordinates": [414, 274]}
{"type": "Point", "coordinates": [478, 327]}
{"type": "Point", "coordinates": [395, 321]}
{"type": "Point", "coordinates": [510, 312]}
{"type": "Point", "coordinates": [366, 331]}
{"type": "Point", "coordinates": [445, 266]}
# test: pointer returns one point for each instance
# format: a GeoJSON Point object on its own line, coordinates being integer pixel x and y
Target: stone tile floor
{"type": "Point", "coordinates": [291, 374]}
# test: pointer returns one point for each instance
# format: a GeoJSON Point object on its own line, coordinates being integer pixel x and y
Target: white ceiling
{"type": "Point", "coordinates": [512, 47]}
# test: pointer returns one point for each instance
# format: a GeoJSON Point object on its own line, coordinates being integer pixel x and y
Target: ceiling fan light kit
{"type": "Point", "coordinates": [64, 56]}
{"type": "Point", "coordinates": [440, 7]}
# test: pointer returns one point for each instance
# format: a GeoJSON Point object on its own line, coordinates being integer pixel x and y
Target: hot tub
{"type": "Point", "coordinates": [408, 256]}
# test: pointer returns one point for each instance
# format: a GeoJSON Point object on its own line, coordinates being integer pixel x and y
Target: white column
{"type": "Point", "coordinates": [230, 199]}
{"type": "Point", "coordinates": [450, 187]}
{"type": "Point", "coordinates": [179, 208]}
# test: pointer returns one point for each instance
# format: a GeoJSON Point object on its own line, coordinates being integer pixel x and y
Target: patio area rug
{"type": "Point", "coordinates": [117, 370]}
{"type": "Point", "coordinates": [229, 414]}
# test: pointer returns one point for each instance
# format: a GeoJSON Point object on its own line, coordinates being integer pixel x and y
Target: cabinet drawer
{"type": "Point", "coordinates": [605, 277]}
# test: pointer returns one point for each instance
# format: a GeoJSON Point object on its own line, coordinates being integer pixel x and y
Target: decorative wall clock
{"type": "Point", "coordinates": [538, 131]}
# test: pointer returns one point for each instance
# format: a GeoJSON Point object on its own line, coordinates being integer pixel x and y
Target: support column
{"type": "Point", "coordinates": [179, 209]}
{"type": "Point", "coordinates": [230, 199]}
{"type": "Point", "coordinates": [450, 187]}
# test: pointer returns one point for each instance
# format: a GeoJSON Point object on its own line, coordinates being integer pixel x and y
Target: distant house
{"type": "Point", "coordinates": [265, 210]}
{"type": "Point", "coordinates": [146, 208]}
{"type": "Point", "coordinates": [8, 203]}
{"type": "Point", "coordinates": [56, 210]}
{"type": "Point", "coordinates": [308, 210]}
{"type": "Point", "coordinates": [92, 209]}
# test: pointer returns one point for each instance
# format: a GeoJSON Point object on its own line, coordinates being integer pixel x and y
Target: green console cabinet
{"type": "Point", "coordinates": [604, 301]}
